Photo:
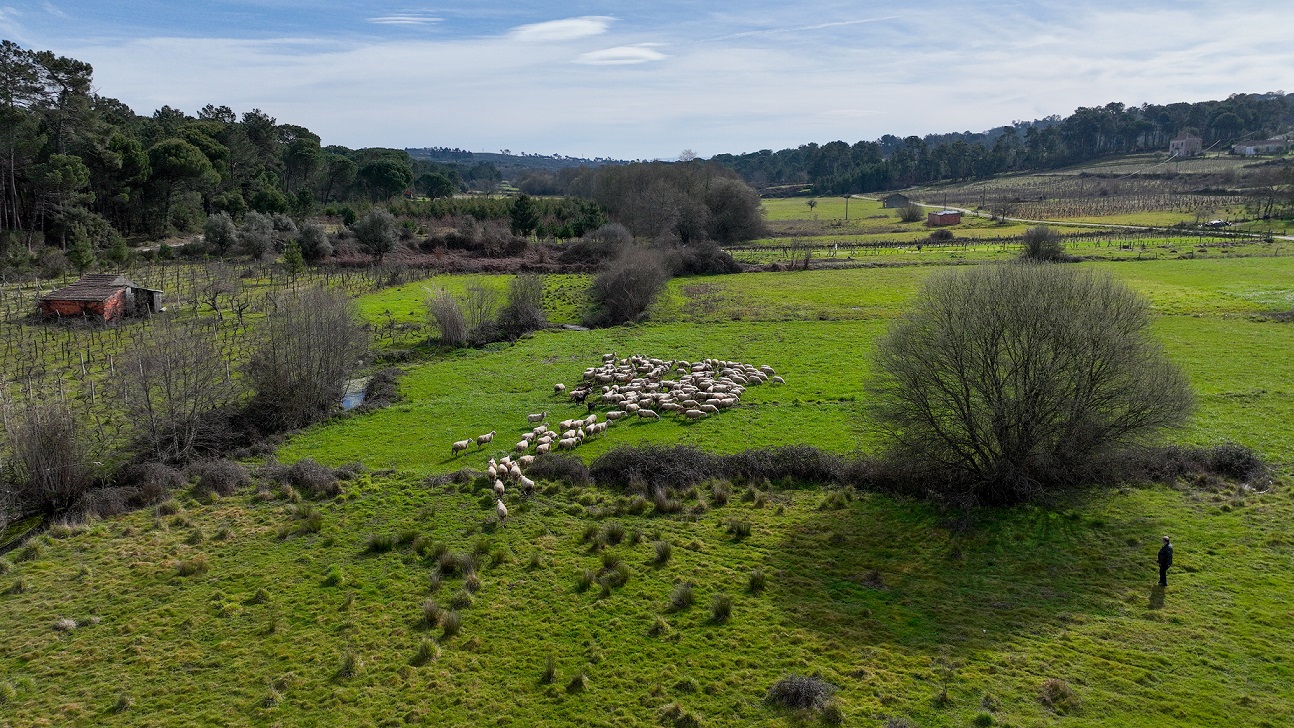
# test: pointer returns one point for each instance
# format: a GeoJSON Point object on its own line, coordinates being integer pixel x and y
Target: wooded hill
{"type": "Point", "coordinates": [1088, 134]}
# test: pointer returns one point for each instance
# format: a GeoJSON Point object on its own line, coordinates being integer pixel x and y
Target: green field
{"type": "Point", "coordinates": [891, 601]}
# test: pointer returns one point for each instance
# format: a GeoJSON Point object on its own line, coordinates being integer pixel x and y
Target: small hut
{"type": "Point", "coordinates": [105, 297]}
{"type": "Point", "coordinates": [895, 201]}
{"type": "Point", "coordinates": [944, 217]}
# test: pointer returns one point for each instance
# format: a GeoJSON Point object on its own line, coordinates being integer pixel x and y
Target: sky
{"type": "Point", "coordinates": [647, 80]}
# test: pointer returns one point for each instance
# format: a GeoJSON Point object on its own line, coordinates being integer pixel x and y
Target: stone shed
{"type": "Point", "coordinates": [105, 297]}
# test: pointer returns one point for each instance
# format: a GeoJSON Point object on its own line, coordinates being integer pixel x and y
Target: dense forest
{"type": "Point", "coordinates": [76, 166]}
{"type": "Point", "coordinates": [1085, 135]}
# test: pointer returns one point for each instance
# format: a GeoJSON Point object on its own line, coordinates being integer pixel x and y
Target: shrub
{"type": "Point", "coordinates": [614, 532]}
{"type": "Point", "coordinates": [447, 317]}
{"type": "Point", "coordinates": [550, 670]}
{"type": "Point", "coordinates": [427, 651]}
{"type": "Point", "coordinates": [802, 463]}
{"type": "Point", "coordinates": [757, 580]}
{"type": "Point", "coordinates": [220, 233]}
{"type": "Point", "coordinates": [584, 580]}
{"type": "Point", "coordinates": [314, 243]}
{"type": "Point", "coordinates": [676, 466]}
{"type": "Point", "coordinates": [222, 477]}
{"type": "Point", "coordinates": [524, 309]}
{"type": "Point", "coordinates": [193, 566]}
{"type": "Point", "coordinates": [168, 507]}
{"type": "Point", "coordinates": [1007, 382]}
{"type": "Point", "coordinates": [1059, 697]}
{"type": "Point", "coordinates": [912, 212]}
{"type": "Point", "coordinates": [380, 543]}
{"type": "Point", "coordinates": [376, 233]}
{"type": "Point", "coordinates": [256, 235]}
{"type": "Point", "coordinates": [627, 287]}
{"type": "Point", "coordinates": [720, 608]}
{"type": "Point", "coordinates": [681, 597]}
{"type": "Point", "coordinates": [6, 566]}
{"type": "Point", "coordinates": [51, 460]}
{"type": "Point", "coordinates": [578, 683]}
{"type": "Point", "coordinates": [309, 347]}
{"type": "Point", "coordinates": [799, 692]}
{"type": "Point", "coordinates": [451, 624]}
{"type": "Point", "coordinates": [431, 614]}
{"type": "Point", "coordinates": [334, 576]}
{"type": "Point", "coordinates": [351, 665]}
{"type": "Point", "coordinates": [383, 389]}
{"type": "Point", "coordinates": [663, 551]}
{"type": "Point", "coordinates": [568, 469]}
{"type": "Point", "coordinates": [720, 493]}
{"type": "Point", "coordinates": [1042, 244]}
{"type": "Point", "coordinates": [739, 528]}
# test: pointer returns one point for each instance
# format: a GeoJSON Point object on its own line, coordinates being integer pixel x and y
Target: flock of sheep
{"type": "Point", "coordinates": [632, 386]}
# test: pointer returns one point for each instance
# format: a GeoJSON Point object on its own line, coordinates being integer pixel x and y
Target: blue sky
{"type": "Point", "coordinates": [649, 79]}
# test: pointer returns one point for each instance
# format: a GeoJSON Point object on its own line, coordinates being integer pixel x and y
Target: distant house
{"type": "Point", "coordinates": [1186, 145]}
{"type": "Point", "coordinates": [1266, 146]}
{"type": "Point", "coordinates": [944, 217]}
{"type": "Point", "coordinates": [103, 297]}
{"type": "Point", "coordinates": [896, 200]}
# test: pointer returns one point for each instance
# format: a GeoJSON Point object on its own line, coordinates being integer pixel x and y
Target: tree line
{"type": "Point", "coordinates": [1089, 133]}
{"type": "Point", "coordinates": [76, 165]}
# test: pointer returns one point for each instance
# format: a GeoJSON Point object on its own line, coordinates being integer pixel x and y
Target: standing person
{"type": "Point", "coordinates": [1165, 561]}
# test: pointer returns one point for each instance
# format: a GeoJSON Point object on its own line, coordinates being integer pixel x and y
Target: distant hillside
{"type": "Point", "coordinates": [1090, 133]}
{"type": "Point", "coordinates": [507, 162]}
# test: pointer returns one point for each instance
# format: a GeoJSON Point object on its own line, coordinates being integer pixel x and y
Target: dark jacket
{"type": "Point", "coordinates": [1166, 555]}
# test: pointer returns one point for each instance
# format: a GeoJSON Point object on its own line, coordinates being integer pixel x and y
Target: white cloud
{"type": "Point", "coordinates": [621, 56]}
{"type": "Point", "coordinates": [53, 10]}
{"type": "Point", "coordinates": [562, 30]}
{"type": "Point", "coordinates": [405, 19]}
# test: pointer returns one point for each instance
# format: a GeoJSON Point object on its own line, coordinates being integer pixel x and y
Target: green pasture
{"type": "Point", "coordinates": [890, 601]}
{"type": "Point", "coordinates": [894, 602]}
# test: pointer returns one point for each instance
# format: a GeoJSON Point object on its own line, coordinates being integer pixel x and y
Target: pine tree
{"type": "Point", "coordinates": [81, 256]}
{"type": "Point", "coordinates": [293, 261]}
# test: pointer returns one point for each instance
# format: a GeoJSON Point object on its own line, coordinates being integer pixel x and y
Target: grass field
{"type": "Point", "coordinates": [894, 602]}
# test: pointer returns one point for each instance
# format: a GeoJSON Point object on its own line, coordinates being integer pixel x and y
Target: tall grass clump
{"type": "Point", "coordinates": [447, 317]}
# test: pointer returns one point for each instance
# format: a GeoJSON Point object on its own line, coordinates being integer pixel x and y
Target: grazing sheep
{"type": "Point", "coordinates": [540, 430]}
{"type": "Point", "coordinates": [522, 446]}
{"type": "Point", "coordinates": [694, 414]}
{"type": "Point", "coordinates": [709, 409]}
{"type": "Point", "coordinates": [590, 420]}
{"type": "Point", "coordinates": [537, 417]}
{"type": "Point", "coordinates": [778, 380]}
{"type": "Point", "coordinates": [527, 485]}
{"type": "Point", "coordinates": [559, 388]}
{"type": "Point", "coordinates": [543, 448]}
{"type": "Point", "coordinates": [483, 440]}
{"type": "Point", "coordinates": [647, 414]}
{"type": "Point", "coordinates": [616, 414]}
{"type": "Point", "coordinates": [492, 471]}
{"type": "Point", "coordinates": [459, 446]}
{"type": "Point", "coordinates": [498, 488]}
{"type": "Point", "coordinates": [502, 512]}
{"type": "Point", "coordinates": [632, 407]}
{"type": "Point", "coordinates": [515, 471]}
{"type": "Point", "coordinates": [525, 460]}
{"type": "Point", "coordinates": [567, 443]}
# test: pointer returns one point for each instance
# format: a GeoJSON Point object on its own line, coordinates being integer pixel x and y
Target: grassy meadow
{"type": "Point", "coordinates": [260, 610]}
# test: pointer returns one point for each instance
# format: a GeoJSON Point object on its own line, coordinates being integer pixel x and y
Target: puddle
{"type": "Point", "coordinates": [354, 393]}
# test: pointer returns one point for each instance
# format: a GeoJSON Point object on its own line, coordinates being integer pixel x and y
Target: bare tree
{"type": "Point", "coordinates": [174, 384]}
{"type": "Point", "coordinates": [479, 305]}
{"type": "Point", "coordinates": [524, 309]}
{"type": "Point", "coordinates": [1042, 244]}
{"type": "Point", "coordinates": [220, 283]}
{"type": "Point", "coordinates": [1003, 382]}
{"type": "Point", "coordinates": [911, 212]}
{"type": "Point", "coordinates": [447, 317]}
{"type": "Point", "coordinates": [310, 345]}
{"type": "Point", "coordinates": [51, 459]}
{"type": "Point", "coordinates": [628, 286]}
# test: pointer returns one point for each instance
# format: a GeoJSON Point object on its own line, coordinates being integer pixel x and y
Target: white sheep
{"type": "Point", "coordinates": [709, 409]}
{"type": "Point", "coordinates": [543, 448]}
{"type": "Point", "coordinates": [527, 485]}
{"type": "Point", "coordinates": [590, 420]}
{"type": "Point", "coordinates": [515, 471]}
{"type": "Point", "coordinates": [498, 488]}
{"type": "Point", "coordinates": [559, 388]}
{"type": "Point", "coordinates": [522, 446]}
{"type": "Point", "coordinates": [525, 460]}
{"type": "Point", "coordinates": [616, 414]}
{"type": "Point", "coordinates": [567, 443]}
{"type": "Point", "coordinates": [537, 417]}
{"type": "Point", "coordinates": [694, 414]}
{"type": "Point", "coordinates": [778, 380]}
{"type": "Point", "coordinates": [483, 440]}
{"type": "Point", "coordinates": [502, 512]}
{"type": "Point", "coordinates": [459, 446]}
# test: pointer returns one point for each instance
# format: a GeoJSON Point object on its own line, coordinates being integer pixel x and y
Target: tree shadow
{"type": "Point", "coordinates": [883, 571]}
